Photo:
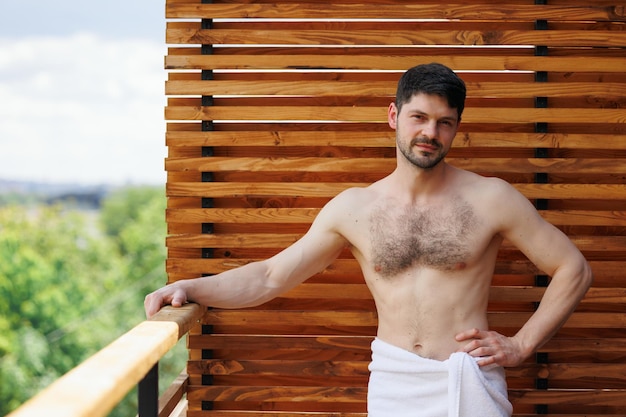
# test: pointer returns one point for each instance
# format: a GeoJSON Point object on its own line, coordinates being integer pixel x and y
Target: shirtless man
{"type": "Point", "coordinates": [426, 237]}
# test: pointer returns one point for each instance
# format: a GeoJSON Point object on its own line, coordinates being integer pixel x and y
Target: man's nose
{"type": "Point", "coordinates": [430, 129]}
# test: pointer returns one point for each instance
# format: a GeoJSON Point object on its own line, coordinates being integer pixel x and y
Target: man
{"type": "Point", "coordinates": [426, 237]}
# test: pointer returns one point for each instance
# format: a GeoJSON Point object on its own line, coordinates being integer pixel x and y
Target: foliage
{"type": "Point", "coordinates": [72, 282]}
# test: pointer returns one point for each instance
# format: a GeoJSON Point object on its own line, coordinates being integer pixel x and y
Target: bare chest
{"type": "Point", "coordinates": [441, 237]}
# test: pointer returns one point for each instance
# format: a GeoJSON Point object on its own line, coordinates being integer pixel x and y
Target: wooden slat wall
{"type": "Point", "coordinates": [276, 106]}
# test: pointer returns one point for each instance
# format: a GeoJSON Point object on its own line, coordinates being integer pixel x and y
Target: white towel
{"type": "Point", "coordinates": [403, 384]}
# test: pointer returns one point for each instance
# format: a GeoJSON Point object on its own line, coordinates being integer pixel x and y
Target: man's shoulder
{"type": "Point", "coordinates": [480, 183]}
{"type": "Point", "coordinates": [487, 193]}
{"type": "Point", "coordinates": [495, 198]}
{"type": "Point", "coordinates": [346, 210]}
{"type": "Point", "coordinates": [350, 203]}
{"type": "Point", "coordinates": [358, 195]}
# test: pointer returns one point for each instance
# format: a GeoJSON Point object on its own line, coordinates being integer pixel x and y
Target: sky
{"type": "Point", "coordinates": [81, 91]}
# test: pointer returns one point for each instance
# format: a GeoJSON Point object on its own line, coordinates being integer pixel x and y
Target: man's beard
{"type": "Point", "coordinates": [419, 159]}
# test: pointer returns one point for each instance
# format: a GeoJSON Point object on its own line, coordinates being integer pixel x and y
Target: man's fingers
{"type": "Point", "coordinates": [468, 334]}
{"type": "Point", "coordinates": [152, 304]}
{"type": "Point", "coordinates": [471, 346]}
{"type": "Point", "coordinates": [178, 300]}
{"type": "Point", "coordinates": [487, 360]}
{"type": "Point", "coordinates": [164, 296]}
{"type": "Point", "coordinates": [490, 347]}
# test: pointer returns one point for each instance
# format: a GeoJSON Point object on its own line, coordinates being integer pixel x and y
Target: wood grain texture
{"type": "Point", "coordinates": [274, 107]}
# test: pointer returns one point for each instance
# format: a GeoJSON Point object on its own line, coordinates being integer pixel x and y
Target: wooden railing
{"type": "Point", "coordinates": [96, 386]}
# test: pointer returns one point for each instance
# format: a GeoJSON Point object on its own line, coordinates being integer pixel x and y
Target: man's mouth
{"type": "Point", "coordinates": [428, 146]}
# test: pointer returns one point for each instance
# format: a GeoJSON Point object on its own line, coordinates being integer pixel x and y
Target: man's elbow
{"type": "Point", "coordinates": [582, 276]}
{"type": "Point", "coordinates": [586, 275]}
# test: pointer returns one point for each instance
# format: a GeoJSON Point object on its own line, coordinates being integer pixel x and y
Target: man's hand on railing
{"type": "Point", "coordinates": [172, 294]}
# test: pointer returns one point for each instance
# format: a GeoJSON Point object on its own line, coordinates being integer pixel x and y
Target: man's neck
{"type": "Point", "coordinates": [416, 183]}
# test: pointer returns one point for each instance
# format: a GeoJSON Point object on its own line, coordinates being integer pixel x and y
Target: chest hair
{"type": "Point", "coordinates": [434, 237]}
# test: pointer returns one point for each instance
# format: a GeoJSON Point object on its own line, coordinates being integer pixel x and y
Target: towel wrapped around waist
{"type": "Point", "coordinates": [403, 384]}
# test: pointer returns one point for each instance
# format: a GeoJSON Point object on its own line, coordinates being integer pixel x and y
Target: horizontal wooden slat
{"type": "Point", "coordinates": [269, 215]}
{"type": "Point", "coordinates": [248, 189]}
{"type": "Point", "coordinates": [379, 115]}
{"type": "Point", "coordinates": [306, 215]}
{"type": "Point", "coordinates": [263, 342]}
{"type": "Point", "coordinates": [585, 217]}
{"type": "Point", "coordinates": [290, 318]}
{"type": "Point", "coordinates": [397, 62]}
{"type": "Point", "coordinates": [280, 164]}
{"type": "Point", "coordinates": [571, 191]}
{"type": "Point", "coordinates": [362, 343]}
{"type": "Point", "coordinates": [425, 10]}
{"type": "Point", "coordinates": [358, 394]}
{"type": "Point", "coordinates": [573, 397]}
{"type": "Point", "coordinates": [571, 38]}
{"type": "Point", "coordinates": [573, 371]}
{"type": "Point", "coordinates": [384, 88]}
{"type": "Point", "coordinates": [319, 371]}
{"type": "Point", "coordinates": [546, 191]}
{"type": "Point", "coordinates": [277, 393]}
{"type": "Point", "coordinates": [386, 139]}
{"type": "Point", "coordinates": [368, 318]}
{"type": "Point", "coordinates": [579, 166]}
{"type": "Point", "coordinates": [607, 344]}
{"type": "Point", "coordinates": [577, 320]}
{"type": "Point", "coordinates": [282, 367]}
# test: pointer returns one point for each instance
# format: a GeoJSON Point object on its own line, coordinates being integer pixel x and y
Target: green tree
{"type": "Point", "coordinates": [73, 282]}
{"type": "Point", "coordinates": [52, 273]}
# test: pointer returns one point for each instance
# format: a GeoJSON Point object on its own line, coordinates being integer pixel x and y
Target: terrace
{"type": "Point", "coordinates": [275, 107]}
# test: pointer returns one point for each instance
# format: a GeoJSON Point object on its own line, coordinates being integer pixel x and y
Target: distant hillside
{"type": "Point", "coordinates": [85, 196]}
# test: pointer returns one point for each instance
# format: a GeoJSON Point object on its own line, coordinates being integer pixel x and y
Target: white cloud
{"type": "Point", "coordinates": [82, 108]}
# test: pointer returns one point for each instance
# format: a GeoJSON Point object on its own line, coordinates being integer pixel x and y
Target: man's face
{"type": "Point", "coordinates": [425, 128]}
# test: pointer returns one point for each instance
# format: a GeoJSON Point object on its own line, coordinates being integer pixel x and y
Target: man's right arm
{"type": "Point", "coordinates": [240, 287]}
{"type": "Point", "coordinates": [260, 281]}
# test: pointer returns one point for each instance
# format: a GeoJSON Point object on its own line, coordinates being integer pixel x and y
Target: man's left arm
{"type": "Point", "coordinates": [554, 254]}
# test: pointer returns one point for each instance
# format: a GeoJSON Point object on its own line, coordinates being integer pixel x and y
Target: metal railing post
{"type": "Point", "coordinates": [148, 394]}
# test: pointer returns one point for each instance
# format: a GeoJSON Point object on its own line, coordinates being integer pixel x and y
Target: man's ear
{"type": "Point", "coordinates": [392, 115]}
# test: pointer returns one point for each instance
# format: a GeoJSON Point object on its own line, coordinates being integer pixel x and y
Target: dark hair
{"type": "Point", "coordinates": [432, 78]}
